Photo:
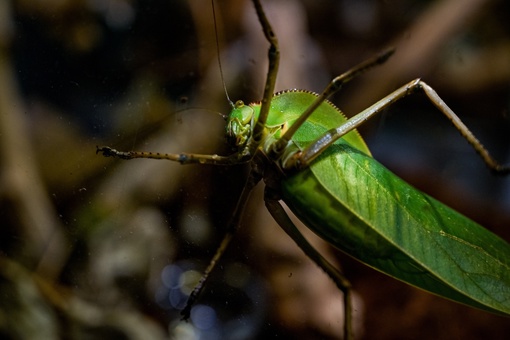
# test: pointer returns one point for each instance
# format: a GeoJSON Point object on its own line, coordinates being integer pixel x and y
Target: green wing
{"type": "Point", "coordinates": [363, 209]}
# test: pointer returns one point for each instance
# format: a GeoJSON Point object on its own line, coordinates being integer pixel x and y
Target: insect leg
{"type": "Point", "coordinates": [305, 157]}
{"type": "Point", "coordinates": [183, 158]}
{"type": "Point", "coordinates": [334, 86]}
{"type": "Point", "coordinates": [274, 61]}
{"type": "Point", "coordinates": [254, 177]}
{"type": "Point", "coordinates": [464, 131]}
{"type": "Point", "coordinates": [275, 208]}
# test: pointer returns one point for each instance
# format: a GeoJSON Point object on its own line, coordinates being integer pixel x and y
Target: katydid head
{"type": "Point", "coordinates": [239, 124]}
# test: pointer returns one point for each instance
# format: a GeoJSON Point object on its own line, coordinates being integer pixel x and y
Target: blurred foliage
{"type": "Point", "coordinates": [93, 247]}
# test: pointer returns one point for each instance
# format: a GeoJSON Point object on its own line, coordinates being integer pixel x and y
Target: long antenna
{"type": "Point", "coordinates": [218, 55]}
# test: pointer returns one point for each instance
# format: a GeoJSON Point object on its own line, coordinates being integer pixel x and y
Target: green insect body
{"type": "Point", "coordinates": [360, 207]}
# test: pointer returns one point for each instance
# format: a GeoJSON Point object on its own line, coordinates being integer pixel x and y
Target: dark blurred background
{"type": "Point", "coordinates": [93, 247]}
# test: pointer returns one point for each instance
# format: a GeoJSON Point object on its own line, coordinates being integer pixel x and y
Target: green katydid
{"type": "Point", "coordinates": [311, 157]}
